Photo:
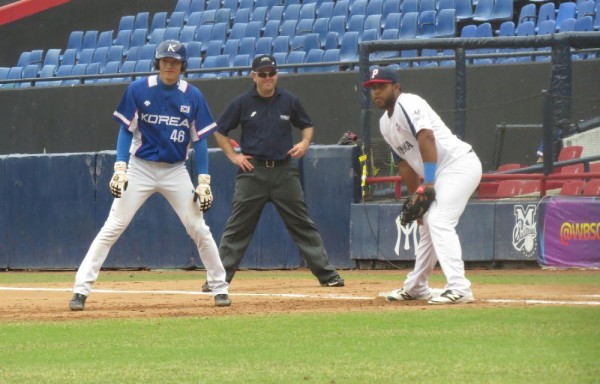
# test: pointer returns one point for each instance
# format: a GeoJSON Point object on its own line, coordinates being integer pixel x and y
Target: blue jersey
{"type": "Point", "coordinates": [163, 119]}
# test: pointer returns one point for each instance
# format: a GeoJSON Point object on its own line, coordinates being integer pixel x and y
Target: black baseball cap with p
{"type": "Point", "coordinates": [382, 75]}
{"type": "Point", "coordinates": [264, 61]}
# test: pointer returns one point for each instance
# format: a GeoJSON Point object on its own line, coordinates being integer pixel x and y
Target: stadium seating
{"type": "Point", "coordinates": [592, 188]}
{"type": "Point", "coordinates": [572, 188]}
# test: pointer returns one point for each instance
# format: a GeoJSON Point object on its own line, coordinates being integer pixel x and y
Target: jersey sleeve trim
{"type": "Point", "coordinates": [207, 130]}
{"type": "Point", "coordinates": [122, 118]}
{"type": "Point", "coordinates": [410, 124]}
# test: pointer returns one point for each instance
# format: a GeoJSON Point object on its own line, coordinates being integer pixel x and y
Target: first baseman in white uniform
{"type": "Point", "coordinates": [427, 149]}
{"type": "Point", "coordinates": [159, 116]}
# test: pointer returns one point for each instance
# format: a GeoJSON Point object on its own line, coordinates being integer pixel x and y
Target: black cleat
{"type": "Point", "coordinates": [77, 302]}
{"type": "Point", "coordinates": [222, 300]}
{"type": "Point", "coordinates": [206, 287]}
{"type": "Point", "coordinates": [334, 281]}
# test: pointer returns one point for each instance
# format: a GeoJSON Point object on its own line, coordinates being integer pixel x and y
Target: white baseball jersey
{"type": "Point", "coordinates": [411, 114]}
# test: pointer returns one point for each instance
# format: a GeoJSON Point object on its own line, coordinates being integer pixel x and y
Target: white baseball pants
{"type": "Point", "coordinates": [454, 185]}
{"type": "Point", "coordinates": [174, 183]}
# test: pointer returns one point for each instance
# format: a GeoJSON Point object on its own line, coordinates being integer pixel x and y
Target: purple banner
{"type": "Point", "coordinates": [571, 233]}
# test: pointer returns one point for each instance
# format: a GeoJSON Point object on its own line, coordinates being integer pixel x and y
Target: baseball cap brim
{"type": "Point", "coordinates": [368, 83]}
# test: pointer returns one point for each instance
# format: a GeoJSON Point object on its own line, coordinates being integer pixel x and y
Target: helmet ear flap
{"type": "Point", "coordinates": [156, 64]}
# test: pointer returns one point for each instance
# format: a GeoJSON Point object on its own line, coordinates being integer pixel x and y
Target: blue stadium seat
{"type": "Point", "coordinates": [237, 31]}
{"type": "Point", "coordinates": [48, 71]}
{"type": "Point", "coordinates": [375, 7]}
{"type": "Point", "coordinates": [194, 63]}
{"type": "Point", "coordinates": [502, 10]}
{"type": "Point", "coordinates": [338, 24]}
{"type": "Point", "coordinates": [183, 6]}
{"type": "Point", "coordinates": [147, 51]}
{"type": "Point", "coordinates": [483, 10]}
{"type": "Point", "coordinates": [215, 48]}
{"type": "Point", "coordinates": [408, 26]}
{"type": "Point", "coordinates": [159, 20]}
{"type": "Point", "coordinates": [241, 16]}
{"type": "Point", "coordinates": [203, 34]}
{"type": "Point", "coordinates": [428, 52]}
{"type": "Point", "coordinates": [221, 61]}
{"type": "Point", "coordinates": [85, 57]}
{"type": "Point", "coordinates": [195, 19]}
{"type": "Point", "coordinates": [526, 28]}
{"type": "Point", "coordinates": [565, 11]}
{"type": "Point", "coordinates": [127, 67]}
{"type": "Point", "coordinates": [392, 21]}
{"type": "Point", "coordinates": [247, 46]}
{"type": "Point", "coordinates": [172, 33]}
{"type": "Point", "coordinates": [64, 70]}
{"type": "Point", "coordinates": [115, 53]}
{"type": "Point", "coordinates": [122, 39]}
{"type": "Point", "coordinates": [69, 57]}
{"type": "Point", "coordinates": [75, 41]}
{"type": "Point", "coordinates": [446, 23]}
{"type": "Point", "coordinates": [90, 39]}
{"type": "Point", "coordinates": [138, 37]}
{"type": "Point", "coordinates": [100, 55]}
{"type": "Point", "coordinates": [176, 19]}
{"type": "Point", "coordinates": [584, 8]}
{"type": "Point", "coordinates": [281, 44]}
{"type": "Point", "coordinates": [292, 12]}
{"type": "Point", "coordinates": [133, 54]}
{"type": "Point", "coordinates": [253, 29]}
{"type": "Point", "coordinates": [111, 67]}
{"type": "Point", "coordinates": [246, 4]}
{"type": "Point", "coordinates": [71, 70]}
{"type": "Point", "coordinates": [275, 13]}
{"type": "Point", "coordinates": [358, 7]}
{"type": "Point", "coordinates": [188, 34]}
{"type": "Point", "coordinates": [231, 4]}
{"type": "Point", "coordinates": [242, 60]}
{"type": "Point", "coordinates": [29, 72]}
{"type": "Point", "coordinates": [308, 11]}
{"type": "Point", "coordinates": [223, 15]}
{"type": "Point", "coordinates": [341, 8]}
{"type": "Point", "coordinates": [388, 34]}
{"type": "Point", "coordinates": [331, 56]}
{"type": "Point", "coordinates": [390, 6]}
{"type": "Point", "coordinates": [219, 32]}
{"type": "Point", "coordinates": [264, 46]}
{"type": "Point", "coordinates": [295, 57]}
{"type": "Point", "coordinates": [304, 26]}
{"type": "Point", "coordinates": [271, 29]}
{"type": "Point", "coordinates": [446, 4]}
{"type": "Point", "coordinates": [52, 57]}
{"type": "Point", "coordinates": [468, 31]}
{"type": "Point", "coordinates": [197, 6]}
{"type": "Point", "coordinates": [547, 12]}
{"type": "Point", "coordinates": [144, 65]}
{"type": "Point", "coordinates": [280, 58]}
{"type": "Point", "coordinates": [527, 13]}
{"type": "Point", "coordinates": [584, 24]}
{"type": "Point", "coordinates": [546, 27]}
{"type": "Point", "coordinates": [409, 54]}
{"type": "Point", "coordinates": [208, 17]}
{"type": "Point", "coordinates": [321, 27]}
{"type": "Point", "coordinates": [213, 4]}
{"type": "Point", "coordinates": [426, 25]}
{"type": "Point", "coordinates": [157, 36]}
{"type": "Point", "coordinates": [92, 69]}
{"type": "Point", "coordinates": [141, 20]}
{"type": "Point", "coordinates": [126, 23]}
{"type": "Point", "coordinates": [231, 49]}
{"type": "Point", "coordinates": [507, 29]}
{"type": "Point", "coordinates": [325, 10]}
{"type": "Point", "coordinates": [259, 14]}
{"type": "Point", "coordinates": [313, 56]}
{"type": "Point", "coordinates": [288, 28]}
{"type": "Point", "coordinates": [105, 39]}
{"type": "Point", "coordinates": [370, 35]}
{"type": "Point", "coordinates": [373, 22]}
{"type": "Point", "coordinates": [349, 47]}
{"type": "Point", "coordinates": [409, 6]}
{"type": "Point", "coordinates": [332, 40]}
{"type": "Point", "coordinates": [427, 5]}
{"type": "Point", "coordinates": [464, 10]}
{"type": "Point", "coordinates": [194, 49]}
{"type": "Point", "coordinates": [450, 61]}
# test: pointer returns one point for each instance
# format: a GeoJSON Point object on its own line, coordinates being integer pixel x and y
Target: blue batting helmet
{"type": "Point", "coordinates": [171, 48]}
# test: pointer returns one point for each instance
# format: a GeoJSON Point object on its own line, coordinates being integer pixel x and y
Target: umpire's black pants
{"type": "Point", "coordinates": [279, 184]}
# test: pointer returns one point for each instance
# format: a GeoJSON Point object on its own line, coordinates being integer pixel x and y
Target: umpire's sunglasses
{"type": "Point", "coordinates": [263, 75]}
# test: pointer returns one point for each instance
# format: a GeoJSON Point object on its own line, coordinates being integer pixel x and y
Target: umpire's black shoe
{"type": "Point", "coordinates": [334, 281]}
{"type": "Point", "coordinates": [222, 300]}
{"type": "Point", "coordinates": [77, 302]}
{"type": "Point", "coordinates": [206, 287]}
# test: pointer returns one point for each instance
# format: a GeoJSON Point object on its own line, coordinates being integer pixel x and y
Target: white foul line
{"type": "Point", "coordinates": [553, 302]}
{"type": "Point", "coordinates": [286, 295]}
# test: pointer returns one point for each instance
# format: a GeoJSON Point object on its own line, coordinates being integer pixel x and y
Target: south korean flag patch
{"type": "Point", "coordinates": [185, 109]}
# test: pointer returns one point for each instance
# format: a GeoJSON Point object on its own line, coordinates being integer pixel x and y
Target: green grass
{"type": "Point", "coordinates": [454, 345]}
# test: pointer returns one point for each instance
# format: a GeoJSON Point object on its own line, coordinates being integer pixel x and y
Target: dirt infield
{"type": "Point", "coordinates": [255, 294]}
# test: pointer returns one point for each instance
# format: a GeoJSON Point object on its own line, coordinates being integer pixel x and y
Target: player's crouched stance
{"type": "Point", "coordinates": [159, 117]}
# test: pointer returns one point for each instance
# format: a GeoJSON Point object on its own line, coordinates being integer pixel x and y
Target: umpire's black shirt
{"type": "Point", "coordinates": [266, 122]}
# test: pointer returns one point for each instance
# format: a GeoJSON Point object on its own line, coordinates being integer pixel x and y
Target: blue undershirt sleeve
{"type": "Point", "coordinates": [123, 144]}
{"type": "Point", "coordinates": [201, 156]}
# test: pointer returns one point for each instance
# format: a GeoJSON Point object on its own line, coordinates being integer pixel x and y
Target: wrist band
{"type": "Point", "coordinates": [429, 172]}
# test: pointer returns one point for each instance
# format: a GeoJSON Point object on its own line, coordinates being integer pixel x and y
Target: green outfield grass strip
{"type": "Point", "coordinates": [464, 345]}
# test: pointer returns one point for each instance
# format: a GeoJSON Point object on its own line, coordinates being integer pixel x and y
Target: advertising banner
{"type": "Point", "coordinates": [571, 233]}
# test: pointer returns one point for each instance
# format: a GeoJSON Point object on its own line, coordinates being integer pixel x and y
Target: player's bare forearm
{"type": "Point", "coordinates": [239, 159]}
{"type": "Point", "coordinates": [427, 146]}
{"type": "Point", "coordinates": [409, 176]}
{"type": "Point", "coordinates": [300, 148]}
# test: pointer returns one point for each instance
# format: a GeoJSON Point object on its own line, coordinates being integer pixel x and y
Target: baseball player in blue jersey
{"type": "Point", "coordinates": [426, 148]}
{"type": "Point", "coordinates": [159, 116]}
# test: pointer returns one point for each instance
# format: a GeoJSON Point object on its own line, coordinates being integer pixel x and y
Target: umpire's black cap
{"type": "Point", "coordinates": [382, 75]}
{"type": "Point", "coordinates": [264, 61]}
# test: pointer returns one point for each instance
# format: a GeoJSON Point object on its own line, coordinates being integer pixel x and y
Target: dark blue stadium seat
{"type": "Point", "coordinates": [321, 27]}
{"type": "Point", "coordinates": [105, 39]}
{"type": "Point", "coordinates": [341, 8]}
{"type": "Point", "coordinates": [231, 4]}
{"type": "Point", "coordinates": [147, 51]}
{"type": "Point", "coordinates": [157, 36]}
{"type": "Point", "coordinates": [213, 4]}
{"type": "Point", "coordinates": [176, 19]}
{"type": "Point", "coordinates": [52, 57]}
{"type": "Point", "coordinates": [375, 7]}
{"type": "Point", "coordinates": [325, 10]}
{"type": "Point", "coordinates": [483, 9]}
{"type": "Point", "coordinates": [565, 11]}
{"type": "Point", "coordinates": [408, 26]}
{"type": "Point", "coordinates": [501, 10]}
{"type": "Point", "coordinates": [194, 19]}
{"type": "Point", "coordinates": [77, 70]}
{"type": "Point", "coordinates": [246, 4]}
{"type": "Point", "coordinates": [126, 23]}
{"type": "Point", "coordinates": [122, 39]}
{"type": "Point", "coordinates": [208, 17]}
{"type": "Point", "coordinates": [138, 37]}
{"type": "Point", "coordinates": [241, 16]}
{"type": "Point", "coordinates": [159, 20]}
{"type": "Point", "coordinates": [172, 33]}
{"type": "Point", "coordinates": [275, 13]}
{"type": "Point", "coordinates": [219, 32]}
{"type": "Point", "coordinates": [64, 70]}
{"type": "Point", "coordinates": [99, 56]}
{"type": "Point", "coordinates": [48, 71]}
{"type": "Point", "coordinates": [127, 67]}
{"type": "Point", "coordinates": [464, 9]}
{"type": "Point", "coordinates": [409, 54]}
{"type": "Point", "coordinates": [253, 29]}
{"type": "Point", "coordinates": [188, 34]}
{"type": "Point", "coordinates": [292, 12]}
{"type": "Point", "coordinates": [332, 40]}
{"type": "Point", "coordinates": [313, 56]}
{"type": "Point", "coordinates": [30, 71]}
{"type": "Point", "coordinates": [231, 49]}
{"type": "Point", "coordinates": [237, 31]}
{"type": "Point", "coordinates": [259, 14]}
{"type": "Point", "coordinates": [264, 46]}
{"type": "Point", "coordinates": [215, 48]}
{"type": "Point", "coordinates": [223, 15]}
{"type": "Point", "coordinates": [295, 57]}
{"type": "Point", "coordinates": [194, 49]}
{"type": "Point", "coordinates": [281, 58]}
{"type": "Point", "coordinates": [133, 54]}
{"type": "Point", "coordinates": [194, 63]}
{"type": "Point", "coordinates": [392, 21]}
{"type": "Point", "coordinates": [144, 65]}
{"type": "Point", "coordinates": [409, 6]}
{"type": "Point", "coordinates": [427, 5]}
{"type": "Point", "coordinates": [426, 24]}
{"type": "Point", "coordinates": [390, 6]}
{"type": "Point", "coordinates": [338, 24]}
{"type": "Point", "coordinates": [373, 22]}
{"type": "Point", "coordinates": [197, 6]}
{"type": "Point", "coordinates": [203, 34]}
{"type": "Point", "coordinates": [281, 44]}
{"type": "Point", "coordinates": [221, 61]}
{"type": "Point", "coordinates": [331, 56]}
{"type": "Point", "coordinates": [85, 57]}
{"type": "Point", "coordinates": [271, 28]}
{"type": "Point", "coordinates": [370, 35]}
{"type": "Point", "coordinates": [428, 52]}
{"type": "Point", "coordinates": [446, 4]}
{"type": "Point", "coordinates": [356, 24]}
{"type": "Point", "coordinates": [308, 11]}
{"type": "Point", "coordinates": [349, 47]}
{"type": "Point", "coordinates": [69, 57]}
{"type": "Point", "coordinates": [141, 20]}
{"type": "Point", "coordinates": [183, 6]}
{"type": "Point", "coordinates": [304, 26]}
{"type": "Point", "coordinates": [358, 7]}
{"type": "Point", "coordinates": [288, 28]}
{"type": "Point", "coordinates": [242, 60]}
{"type": "Point", "coordinates": [446, 23]}
{"type": "Point", "coordinates": [247, 46]}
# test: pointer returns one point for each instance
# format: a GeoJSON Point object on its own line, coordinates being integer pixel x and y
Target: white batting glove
{"type": "Point", "coordinates": [203, 192]}
{"type": "Point", "coordinates": [118, 183]}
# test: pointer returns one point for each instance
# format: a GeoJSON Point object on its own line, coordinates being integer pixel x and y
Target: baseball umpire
{"type": "Point", "coordinates": [425, 147]}
{"type": "Point", "coordinates": [159, 116]}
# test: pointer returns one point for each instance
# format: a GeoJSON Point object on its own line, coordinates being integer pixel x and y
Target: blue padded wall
{"type": "Point", "coordinates": [4, 249]}
{"type": "Point", "coordinates": [364, 232]}
{"type": "Point", "coordinates": [155, 237]}
{"type": "Point", "coordinates": [476, 231]}
{"type": "Point", "coordinates": [331, 179]}
{"type": "Point", "coordinates": [51, 200]}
